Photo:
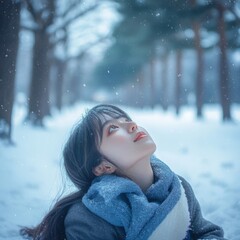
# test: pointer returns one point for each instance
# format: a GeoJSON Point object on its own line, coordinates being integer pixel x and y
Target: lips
{"type": "Point", "coordinates": [139, 136]}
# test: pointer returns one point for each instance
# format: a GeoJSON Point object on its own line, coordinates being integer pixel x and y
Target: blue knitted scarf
{"type": "Point", "coordinates": [121, 202]}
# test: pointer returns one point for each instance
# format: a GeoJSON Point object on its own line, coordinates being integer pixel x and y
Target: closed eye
{"type": "Point", "coordinates": [128, 120]}
{"type": "Point", "coordinates": [112, 128]}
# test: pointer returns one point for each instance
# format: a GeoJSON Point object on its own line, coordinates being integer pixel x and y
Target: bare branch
{"type": "Point", "coordinates": [224, 7]}
{"type": "Point", "coordinates": [88, 47]}
{"type": "Point", "coordinates": [51, 9]}
{"type": "Point", "coordinates": [69, 9]}
{"type": "Point", "coordinates": [27, 28]}
{"type": "Point", "coordinates": [36, 16]}
{"type": "Point", "coordinates": [69, 21]}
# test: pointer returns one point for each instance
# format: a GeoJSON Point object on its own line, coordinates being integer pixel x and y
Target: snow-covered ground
{"type": "Point", "coordinates": [206, 152]}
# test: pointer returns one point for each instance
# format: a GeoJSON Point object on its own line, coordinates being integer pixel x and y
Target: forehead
{"type": "Point", "coordinates": [106, 116]}
{"type": "Point", "coordinates": [105, 119]}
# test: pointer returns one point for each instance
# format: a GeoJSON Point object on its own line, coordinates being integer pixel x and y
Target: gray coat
{"type": "Point", "coordinates": [81, 224]}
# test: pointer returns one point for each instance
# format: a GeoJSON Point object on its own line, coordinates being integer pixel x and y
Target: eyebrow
{"type": "Point", "coordinates": [111, 120]}
{"type": "Point", "coordinates": [107, 122]}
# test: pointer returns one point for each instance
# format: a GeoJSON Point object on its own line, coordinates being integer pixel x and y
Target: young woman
{"type": "Point", "coordinates": [124, 192]}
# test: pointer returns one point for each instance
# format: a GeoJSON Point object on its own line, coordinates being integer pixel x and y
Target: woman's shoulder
{"type": "Point", "coordinates": [78, 209]}
{"type": "Point", "coordinates": [187, 187]}
{"type": "Point", "coordinates": [79, 213]}
{"type": "Point", "coordinates": [80, 223]}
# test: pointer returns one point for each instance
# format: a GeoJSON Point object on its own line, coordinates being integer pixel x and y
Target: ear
{"type": "Point", "coordinates": [104, 167]}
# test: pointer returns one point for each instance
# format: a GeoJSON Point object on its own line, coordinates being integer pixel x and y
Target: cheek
{"type": "Point", "coordinates": [119, 139]}
{"type": "Point", "coordinates": [119, 144]}
{"type": "Point", "coordinates": [116, 146]}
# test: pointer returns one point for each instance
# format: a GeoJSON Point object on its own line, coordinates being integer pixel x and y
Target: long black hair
{"type": "Point", "coordinates": [81, 154]}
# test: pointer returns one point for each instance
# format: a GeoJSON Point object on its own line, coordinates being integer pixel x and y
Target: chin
{"type": "Point", "coordinates": [151, 148]}
{"type": "Point", "coordinates": [154, 149]}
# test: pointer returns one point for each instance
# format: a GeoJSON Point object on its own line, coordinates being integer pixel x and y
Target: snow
{"type": "Point", "coordinates": [205, 152]}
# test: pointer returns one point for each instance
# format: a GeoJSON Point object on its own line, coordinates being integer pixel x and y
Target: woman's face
{"type": "Point", "coordinates": [125, 144]}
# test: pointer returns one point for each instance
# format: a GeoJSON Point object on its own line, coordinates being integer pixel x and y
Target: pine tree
{"type": "Point", "coordinates": [9, 30]}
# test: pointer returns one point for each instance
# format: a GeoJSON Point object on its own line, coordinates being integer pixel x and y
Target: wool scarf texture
{"type": "Point", "coordinates": [122, 203]}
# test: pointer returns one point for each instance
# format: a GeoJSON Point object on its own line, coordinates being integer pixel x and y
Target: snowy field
{"type": "Point", "coordinates": [205, 152]}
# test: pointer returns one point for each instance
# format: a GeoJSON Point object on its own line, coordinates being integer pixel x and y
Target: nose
{"type": "Point", "coordinates": [132, 127]}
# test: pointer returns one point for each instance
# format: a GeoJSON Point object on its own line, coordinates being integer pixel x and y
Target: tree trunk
{"type": "Point", "coordinates": [164, 78]}
{"type": "Point", "coordinates": [199, 77]}
{"type": "Point", "coordinates": [60, 68]}
{"type": "Point", "coordinates": [139, 89]}
{"type": "Point", "coordinates": [178, 81]}
{"type": "Point", "coordinates": [39, 91]}
{"type": "Point", "coordinates": [9, 31]}
{"type": "Point", "coordinates": [224, 76]}
{"type": "Point", "coordinates": [152, 83]}
{"type": "Point", "coordinates": [200, 65]}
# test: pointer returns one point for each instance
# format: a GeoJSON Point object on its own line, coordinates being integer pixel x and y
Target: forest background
{"type": "Point", "coordinates": [165, 54]}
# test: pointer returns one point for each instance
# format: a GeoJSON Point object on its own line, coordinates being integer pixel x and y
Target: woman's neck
{"type": "Point", "coordinates": [141, 173]}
